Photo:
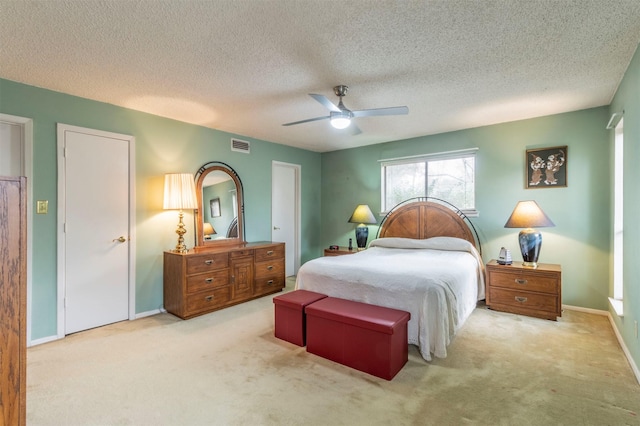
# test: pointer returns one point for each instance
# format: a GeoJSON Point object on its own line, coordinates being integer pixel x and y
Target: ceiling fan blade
{"type": "Point", "coordinates": [325, 101]}
{"type": "Point", "coordinates": [306, 121]}
{"type": "Point", "coordinates": [401, 110]}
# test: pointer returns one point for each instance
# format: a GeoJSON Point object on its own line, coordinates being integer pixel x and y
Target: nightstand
{"type": "Point", "coordinates": [340, 251]}
{"type": "Point", "coordinates": [527, 291]}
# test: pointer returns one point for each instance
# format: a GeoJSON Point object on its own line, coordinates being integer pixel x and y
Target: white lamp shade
{"type": "Point", "coordinates": [528, 214]}
{"type": "Point", "coordinates": [179, 192]}
{"type": "Point", "coordinates": [362, 214]}
{"type": "Point", "coordinates": [207, 229]}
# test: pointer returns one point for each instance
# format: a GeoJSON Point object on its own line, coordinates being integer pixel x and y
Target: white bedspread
{"type": "Point", "coordinates": [438, 280]}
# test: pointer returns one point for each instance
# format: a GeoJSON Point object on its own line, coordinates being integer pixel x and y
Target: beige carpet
{"type": "Point", "coordinates": [227, 368]}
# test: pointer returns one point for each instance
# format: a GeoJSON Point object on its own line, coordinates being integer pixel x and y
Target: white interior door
{"type": "Point", "coordinates": [95, 239]}
{"type": "Point", "coordinates": [285, 212]}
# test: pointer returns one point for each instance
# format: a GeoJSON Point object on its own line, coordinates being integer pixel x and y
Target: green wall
{"type": "Point", "coordinates": [627, 99]}
{"type": "Point", "coordinates": [581, 213]}
{"type": "Point", "coordinates": [162, 146]}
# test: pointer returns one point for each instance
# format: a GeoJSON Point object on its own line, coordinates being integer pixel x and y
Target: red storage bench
{"type": "Point", "coordinates": [290, 317]}
{"type": "Point", "coordinates": [366, 337]}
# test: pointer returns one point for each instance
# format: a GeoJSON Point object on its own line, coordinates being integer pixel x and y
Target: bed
{"type": "Point", "coordinates": [425, 260]}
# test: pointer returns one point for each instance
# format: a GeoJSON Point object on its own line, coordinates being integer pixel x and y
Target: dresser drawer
{"type": "Point", "coordinates": [207, 281]}
{"type": "Point", "coordinates": [270, 269]}
{"type": "Point", "coordinates": [523, 300]}
{"type": "Point", "coordinates": [241, 253]}
{"type": "Point", "coordinates": [269, 284]}
{"type": "Point", "coordinates": [271, 252]}
{"type": "Point", "coordinates": [207, 262]}
{"type": "Point", "coordinates": [524, 281]}
{"type": "Point", "coordinates": [206, 300]}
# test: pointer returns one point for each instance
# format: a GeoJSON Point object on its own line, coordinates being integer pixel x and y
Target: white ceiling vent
{"type": "Point", "coordinates": [240, 146]}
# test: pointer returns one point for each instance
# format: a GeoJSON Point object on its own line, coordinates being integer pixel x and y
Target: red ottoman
{"type": "Point", "coordinates": [290, 318]}
{"type": "Point", "coordinates": [366, 337]}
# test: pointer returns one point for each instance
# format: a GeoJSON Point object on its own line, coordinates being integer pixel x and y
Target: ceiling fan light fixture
{"type": "Point", "coordinates": [340, 120]}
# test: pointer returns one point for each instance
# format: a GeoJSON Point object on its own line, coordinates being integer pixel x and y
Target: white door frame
{"type": "Point", "coordinates": [62, 128]}
{"type": "Point", "coordinates": [297, 239]}
{"type": "Point", "coordinates": [27, 170]}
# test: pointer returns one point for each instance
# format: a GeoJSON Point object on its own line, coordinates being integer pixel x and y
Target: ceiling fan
{"type": "Point", "coordinates": [340, 116]}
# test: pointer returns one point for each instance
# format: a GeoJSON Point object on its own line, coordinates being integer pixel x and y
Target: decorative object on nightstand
{"type": "Point", "coordinates": [363, 216]}
{"type": "Point", "coordinates": [528, 214]}
{"type": "Point", "coordinates": [505, 257]}
{"type": "Point", "coordinates": [522, 290]}
{"type": "Point", "coordinates": [180, 194]}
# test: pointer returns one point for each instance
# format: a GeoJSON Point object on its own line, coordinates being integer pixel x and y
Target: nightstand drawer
{"type": "Point", "coordinates": [524, 281]}
{"type": "Point", "coordinates": [207, 262]}
{"type": "Point", "coordinates": [523, 300]}
{"type": "Point", "coordinates": [207, 280]}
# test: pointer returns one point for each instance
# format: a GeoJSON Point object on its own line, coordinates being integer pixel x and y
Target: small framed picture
{"type": "Point", "coordinates": [546, 167]}
{"type": "Point", "coordinates": [214, 204]}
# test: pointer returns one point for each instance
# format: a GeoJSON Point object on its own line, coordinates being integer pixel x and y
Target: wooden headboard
{"type": "Point", "coordinates": [426, 219]}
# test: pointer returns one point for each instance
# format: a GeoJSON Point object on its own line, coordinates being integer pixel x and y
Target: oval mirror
{"type": "Point", "coordinates": [219, 218]}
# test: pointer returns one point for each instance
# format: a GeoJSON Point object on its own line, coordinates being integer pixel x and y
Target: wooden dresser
{"type": "Point", "coordinates": [13, 300]}
{"type": "Point", "coordinates": [519, 290]}
{"type": "Point", "coordinates": [204, 280]}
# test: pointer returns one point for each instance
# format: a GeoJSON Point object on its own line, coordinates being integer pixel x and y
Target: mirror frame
{"type": "Point", "coordinates": [201, 174]}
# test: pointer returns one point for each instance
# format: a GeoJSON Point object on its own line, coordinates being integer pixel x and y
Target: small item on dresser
{"type": "Point", "coordinates": [333, 247]}
{"type": "Point", "coordinates": [350, 244]}
{"type": "Point", "coordinates": [505, 257]}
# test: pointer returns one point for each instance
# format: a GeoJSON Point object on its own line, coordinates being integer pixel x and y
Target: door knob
{"type": "Point", "coordinates": [275, 228]}
{"type": "Point", "coordinates": [120, 239]}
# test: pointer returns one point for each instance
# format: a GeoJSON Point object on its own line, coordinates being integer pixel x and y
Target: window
{"type": "Point", "coordinates": [618, 168]}
{"type": "Point", "coordinates": [449, 176]}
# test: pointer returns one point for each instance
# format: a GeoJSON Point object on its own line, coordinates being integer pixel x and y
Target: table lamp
{"type": "Point", "coordinates": [528, 214]}
{"type": "Point", "coordinates": [180, 194]}
{"type": "Point", "coordinates": [362, 215]}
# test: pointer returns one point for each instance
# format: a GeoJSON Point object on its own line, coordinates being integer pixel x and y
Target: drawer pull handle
{"type": "Point", "coordinates": [209, 280]}
{"type": "Point", "coordinates": [208, 262]}
{"type": "Point", "coordinates": [270, 282]}
{"type": "Point", "coordinates": [521, 299]}
{"type": "Point", "coordinates": [520, 281]}
{"type": "Point", "coordinates": [270, 253]}
{"type": "Point", "coordinates": [208, 298]}
{"type": "Point", "coordinates": [270, 267]}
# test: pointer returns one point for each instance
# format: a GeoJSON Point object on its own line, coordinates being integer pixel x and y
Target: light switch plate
{"type": "Point", "coordinates": [42, 207]}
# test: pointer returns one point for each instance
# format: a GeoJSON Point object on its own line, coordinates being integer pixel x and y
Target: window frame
{"type": "Point", "coordinates": [426, 158]}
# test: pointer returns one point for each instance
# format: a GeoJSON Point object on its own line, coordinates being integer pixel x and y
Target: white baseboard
{"type": "Point", "coordinates": [150, 313]}
{"type": "Point", "coordinates": [625, 350]}
{"type": "Point", "coordinates": [42, 340]}
{"type": "Point", "coordinates": [52, 338]}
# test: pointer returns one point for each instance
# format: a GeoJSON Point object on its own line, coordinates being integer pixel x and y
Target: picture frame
{"type": "Point", "coordinates": [546, 167]}
{"type": "Point", "coordinates": [214, 205]}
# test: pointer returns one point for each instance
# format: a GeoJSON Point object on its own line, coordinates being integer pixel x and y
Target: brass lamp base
{"type": "Point", "coordinates": [180, 247]}
{"type": "Point", "coordinates": [532, 265]}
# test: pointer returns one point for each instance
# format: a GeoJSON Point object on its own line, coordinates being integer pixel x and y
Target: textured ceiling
{"type": "Point", "coordinates": [246, 66]}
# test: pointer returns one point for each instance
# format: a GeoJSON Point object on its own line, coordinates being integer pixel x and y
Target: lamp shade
{"type": "Point", "coordinates": [362, 214]}
{"type": "Point", "coordinates": [207, 229]}
{"type": "Point", "coordinates": [179, 192]}
{"type": "Point", "coordinates": [528, 214]}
